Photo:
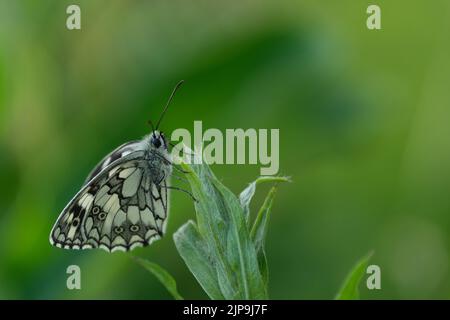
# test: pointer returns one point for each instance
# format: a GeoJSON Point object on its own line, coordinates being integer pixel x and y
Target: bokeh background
{"type": "Point", "coordinates": [363, 118]}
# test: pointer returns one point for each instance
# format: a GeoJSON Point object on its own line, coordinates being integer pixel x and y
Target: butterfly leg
{"type": "Point", "coordinates": [187, 153]}
{"type": "Point", "coordinates": [180, 189]}
{"type": "Point", "coordinates": [181, 170]}
{"type": "Point", "coordinates": [167, 161]}
{"type": "Point", "coordinates": [180, 179]}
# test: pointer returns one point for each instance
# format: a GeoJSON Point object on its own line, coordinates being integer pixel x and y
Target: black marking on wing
{"type": "Point", "coordinates": [112, 218]}
{"type": "Point", "coordinates": [116, 154]}
{"type": "Point", "coordinates": [67, 234]}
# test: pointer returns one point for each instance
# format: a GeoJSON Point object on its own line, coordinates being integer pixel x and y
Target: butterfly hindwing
{"type": "Point", "coordinates": [118, 209]}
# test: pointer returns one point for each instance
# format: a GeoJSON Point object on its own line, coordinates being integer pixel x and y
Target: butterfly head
{"type": "Point", "coordinates": [158, 140]}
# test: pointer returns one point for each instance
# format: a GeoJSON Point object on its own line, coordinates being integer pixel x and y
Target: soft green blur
{"type": "Point", "coordinates": [363, 118]}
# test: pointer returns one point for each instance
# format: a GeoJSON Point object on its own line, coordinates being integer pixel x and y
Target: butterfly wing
{"type": "Point", "coordinates": [114, 155]}
{"type": "Point", "coordinates": [119, 209]}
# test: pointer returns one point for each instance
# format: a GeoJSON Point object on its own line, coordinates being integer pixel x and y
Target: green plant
{"type": "Point", "coordinates": [224, 248]}
{"type": "Point", "coordinates": [350, 287]}
{"type": "Point", "coordinates": [162, 275]}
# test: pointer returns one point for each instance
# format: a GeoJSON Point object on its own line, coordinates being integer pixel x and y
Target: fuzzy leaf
{"type": "Point", "coordinates": [222, 225]}
{"type": "Point", "coordinates": [212, 226]}
{"type": "Point", "coordinates": [248, 273]}
{"type": "Point", "coordinates": [247, 194]}
{"type": "Point", "coordinates": [259, 232]}
{"type": "Point", "coordinates": [195, 254]}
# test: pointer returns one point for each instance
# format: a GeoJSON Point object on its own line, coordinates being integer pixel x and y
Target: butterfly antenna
{"type": "Point", "coordinates": [168, 103]}
{"type": "Point", "coordinates": [150, 123]}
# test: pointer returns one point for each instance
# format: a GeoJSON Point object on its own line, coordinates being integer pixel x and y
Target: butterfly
{"type": "Point", "coordinates": [124, 202]}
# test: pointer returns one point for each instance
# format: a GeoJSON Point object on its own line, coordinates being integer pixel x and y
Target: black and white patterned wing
{"type": "Point", "coordinates": [119, 209]}
{"type": "Point", "coordinates": [114, 155]}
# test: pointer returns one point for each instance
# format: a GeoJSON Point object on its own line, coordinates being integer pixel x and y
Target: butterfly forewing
{"type": "Point", "coordinates": [114, 155]}
{"type": "Point", "coordinates": [120, 208]}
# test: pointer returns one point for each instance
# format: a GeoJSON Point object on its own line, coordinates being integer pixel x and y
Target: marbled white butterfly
{"type": "Point", "coordinates": [124, 201]}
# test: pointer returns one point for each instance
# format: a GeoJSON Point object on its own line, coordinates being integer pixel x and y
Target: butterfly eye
{"type": "Point", "coordinates": [156, 142]}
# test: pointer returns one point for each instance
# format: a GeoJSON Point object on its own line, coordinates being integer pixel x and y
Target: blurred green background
{"type": "Point", "coordinates": [363, 118]}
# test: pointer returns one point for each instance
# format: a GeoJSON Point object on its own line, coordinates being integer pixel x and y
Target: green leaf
{"type": "Point", "coordinates": [244, 251]}
{"type": "Point", "coordinates": [222, 225]}
{"type": "Point", "coordinates": [218, 248]}
{"type": "Point", "coordinates": [212, 226]}
{"type": "Point", "coordinates": [162, 275]}
{"type": "Point", "coordinates": [260, 226]}
{"type": "Point", "coordinates": [197, 257]}
{"type": "Point", "coordinates": [247, 194]}
{"type": "Point", "coordinates": [259, 232]}
{"type": "Point", "coordinates": [349, 290]}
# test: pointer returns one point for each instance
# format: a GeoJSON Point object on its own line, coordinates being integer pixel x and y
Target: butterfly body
{"type": "Point", "coordinates": [124, 201]}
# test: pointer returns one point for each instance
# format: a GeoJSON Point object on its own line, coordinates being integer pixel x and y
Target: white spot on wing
{"type": "Point", "coordinates": [104, 247]}
{"type": "Point", "coordinates": [159, 223]}
{"type": "Point", "coordinates": [105, 164]}
{"type": "Point", "coordinates": [112, 171]}
{"type": "Point", "coordinates": [126, 172]}
{"type": "Point", "coordinates": [88, 225]}
{"type": "Point", "coordinates": [133, 214]}
{"type": "Point", "coordinates": [105, 240]}
{"type": "Point", "coordinates": [119, 241]}
{"type": "Point", "coordinates": [94, 234]}
{"type": "Point", "coordinates": [147, 218]}
{"type": "Point", "coordinates": [66, 216]}
{"type": "Point", "coordinates": [136, 238]}
{"type": "Point", "coordinates": [101, 201]}
{"type": "Point", "coordinates": [119, 218]}
{"type": "Point", "coordinates": [71, 232]}
{"type": "Point", "coordinates": [159, 209]}
{"type": "Point", "coordinates": [155, 191]}
{"type": "Point", "coordinates": [150, 233]}
{"type": "Point", "coordinates": [111, 207]}
{"type": "Point", "coordinates": [86, 201]}
{"type": "Point", "coordinates": [103, 190]}
{"type": "Point", "coordinates": [136, 244]}
{"type": "Point", "coordinates": [131, 184]}
{"type": "Point", "coordinates": [81, 200]}
{"type": "Point", "coordinates": [118, 248]}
